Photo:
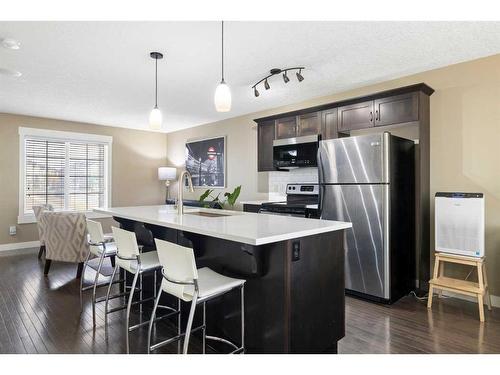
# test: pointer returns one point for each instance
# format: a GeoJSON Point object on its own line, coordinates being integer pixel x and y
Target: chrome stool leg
{"type": "Point", "coordinates": [242, 291]}
{"type": "Point", "coordinates": [96, 281]}
{"type": "Point", "coordinates": [179, 322]}
{"type": "Point", "coordinates": [106, 309]}
{"type": "Point", "coordinates": [189, 323]}
{"type": "Point", "coordinates": [82, 279]}
{"type": "Point", "coordinates": [129, 305]}
{"type": "Point", "coordinates": [140, 294]}
{"type": "Point", "coordinates": [204, 327]}
{"type": "Point", "coordinates": [153, 316]}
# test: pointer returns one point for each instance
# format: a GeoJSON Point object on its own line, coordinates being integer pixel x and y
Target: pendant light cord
{"type": "Point", "coordinates": [156, 82]}
{"type": "Point", "coordinates": [222, 51]}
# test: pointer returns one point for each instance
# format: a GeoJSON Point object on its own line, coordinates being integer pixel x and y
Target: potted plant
{"type": "Point", "coordinates": [209, 201]}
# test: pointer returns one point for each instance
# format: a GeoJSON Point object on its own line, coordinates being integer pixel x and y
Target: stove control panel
{"type": "Point", "coordinates": [303, 189]}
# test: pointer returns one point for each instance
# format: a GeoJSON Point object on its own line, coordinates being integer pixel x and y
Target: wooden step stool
{"type": "Point", "coordinates": [469, 288]}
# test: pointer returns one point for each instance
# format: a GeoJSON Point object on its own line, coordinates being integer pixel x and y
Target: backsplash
{"type": "Point", "coordinates": [279, 180]}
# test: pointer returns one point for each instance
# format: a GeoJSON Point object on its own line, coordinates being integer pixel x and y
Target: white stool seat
{"type": "Point", "coordinates": [110, 249]}
{"type": "Point", "coordinates": [149, 261]}
{"type": "Point", "coordinates": [210, 284]}
{"type": "Point", "coordinates": [108, 237]}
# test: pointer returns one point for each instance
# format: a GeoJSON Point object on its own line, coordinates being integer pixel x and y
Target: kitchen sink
{"type": "Point", "coordinates": [206, 214]}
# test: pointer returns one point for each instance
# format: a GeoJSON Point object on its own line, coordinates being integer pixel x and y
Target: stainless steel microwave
{"type": "Point", "coordinates": [296, 152]}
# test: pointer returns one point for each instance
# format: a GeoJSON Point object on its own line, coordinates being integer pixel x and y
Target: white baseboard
{"type": "Point", "coordinates": [495, 300]}
{"type": "Point", "coordinates": [19, 245]}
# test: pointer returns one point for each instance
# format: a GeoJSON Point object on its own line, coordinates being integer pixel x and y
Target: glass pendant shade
{"type": "Point", "coordinates": [155, 119]}
{"type": "Point", "coordinates": [222, 98]}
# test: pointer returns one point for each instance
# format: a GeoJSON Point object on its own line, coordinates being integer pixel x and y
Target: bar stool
{"type": "Point", "coordinates": [183, 280]}
{"type": "Point", "coordinates": [102, 246]}
{"type": "Point", "coordinates": [130, 259]}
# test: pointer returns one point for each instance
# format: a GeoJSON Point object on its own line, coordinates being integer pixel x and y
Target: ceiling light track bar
{"type": "Point", "coordinates": [277, 71]}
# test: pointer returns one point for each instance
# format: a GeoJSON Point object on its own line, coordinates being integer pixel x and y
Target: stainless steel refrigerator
{"type": "Point", "coordinates": [368, 180]}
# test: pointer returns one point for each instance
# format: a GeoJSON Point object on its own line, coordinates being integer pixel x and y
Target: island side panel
{"type": "Point", "coordinates": [317, 302]}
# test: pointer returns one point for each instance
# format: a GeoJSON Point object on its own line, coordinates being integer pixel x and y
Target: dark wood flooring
{"type": "Point", "coordinates": [42, 315]}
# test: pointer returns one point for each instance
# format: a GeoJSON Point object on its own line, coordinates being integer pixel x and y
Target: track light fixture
{"type": "Point", "coordinates": [276, 71]}
{"type": "Point", "coordinates": [299, 76]}
{"type": "Point", "coordinates": [285, 78]}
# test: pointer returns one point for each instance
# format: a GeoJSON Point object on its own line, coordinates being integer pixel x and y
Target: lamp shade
{"type": "Point", "coordinates": [222, 98]}
{"type": "Point", "coordinates": [167, 173]}
{"type": "Point", "coordinates": [155, 119]}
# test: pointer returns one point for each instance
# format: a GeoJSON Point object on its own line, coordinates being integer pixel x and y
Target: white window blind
{"type": "Point", "coordinates": [69, 174]}
{"type": "Point", "coordinates": [45, 173]}
{"type": "Point", "coordinates": [86, 176]}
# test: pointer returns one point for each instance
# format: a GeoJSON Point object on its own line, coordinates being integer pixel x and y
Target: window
{"type": "Point", "coordinates": [70, 171]}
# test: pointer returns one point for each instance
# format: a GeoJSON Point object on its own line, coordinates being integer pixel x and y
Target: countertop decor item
{"type": "Point", "coordinates": [276, 71]}
{"type": "Point", "coordinates": [222, 97]}
{"type": "Point", "coordinates": [205, 161]}
{"type": "Point", "coordinates": [155, 117]}
{"type": "Point", "coordinates": [167, 174]}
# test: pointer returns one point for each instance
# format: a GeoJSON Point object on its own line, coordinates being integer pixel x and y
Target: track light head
{"type": "Point", "coordinates": [256, 92]}
{"type": "Point", "coordinates": [300, 78]}
{"type": "Point", "coordinates": [285, 78]}
{"type": "Point", "coordinates": [266, 85]}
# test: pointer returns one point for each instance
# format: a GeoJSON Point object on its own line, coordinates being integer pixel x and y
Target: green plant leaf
{"type": "Point", "coordinates": [205, 194]}
{"type": "Point", "coordinates": [232, 197]}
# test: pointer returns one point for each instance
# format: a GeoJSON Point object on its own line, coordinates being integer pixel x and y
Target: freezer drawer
{"type": "Point", "coordinates": [354, 160]}
{"type": "Point", "coordinates": [366, 243]}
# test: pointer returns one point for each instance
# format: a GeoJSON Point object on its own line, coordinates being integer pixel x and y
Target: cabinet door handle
{"type": "Point", "coordinates": [371, 116]}
{"type": "Point", "coordinates": [377, 117]}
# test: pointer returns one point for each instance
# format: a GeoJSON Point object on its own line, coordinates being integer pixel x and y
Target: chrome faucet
{"type": "Point", "coordinates": [180, 204]}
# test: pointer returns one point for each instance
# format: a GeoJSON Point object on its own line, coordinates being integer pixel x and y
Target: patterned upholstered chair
{"type": "Point", "coordinates": [65, 236]}
{"type": "Point", "coordinates": [38, 210]}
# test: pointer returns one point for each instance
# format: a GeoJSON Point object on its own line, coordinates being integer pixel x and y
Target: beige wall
{"type": "Point", "coordinates": [465, 140]}
{"type": "Point", "coordinates": [136, 157]}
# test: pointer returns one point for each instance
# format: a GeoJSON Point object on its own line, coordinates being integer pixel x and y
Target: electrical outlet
{"type": "Point", "coordinates": [12, 230]}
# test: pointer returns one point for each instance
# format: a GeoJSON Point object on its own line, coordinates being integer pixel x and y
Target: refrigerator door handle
{"type": "Point", "coordinates": [321, 193]}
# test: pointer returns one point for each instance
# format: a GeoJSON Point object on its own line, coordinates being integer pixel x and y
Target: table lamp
{"type": "Point", "coordinates": [167, 174]}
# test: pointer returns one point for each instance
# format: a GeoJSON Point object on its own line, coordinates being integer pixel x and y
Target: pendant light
{"type": "Point", "coordinates": [222, 97]}
{"type": "Point", "coordinates": [155, 117]}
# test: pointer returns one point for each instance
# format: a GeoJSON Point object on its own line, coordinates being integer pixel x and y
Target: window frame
{"type": "Point", "coordinates": [62, 136]}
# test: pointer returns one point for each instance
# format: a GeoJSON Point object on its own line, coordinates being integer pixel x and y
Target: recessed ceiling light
{"type": "Point", "coordinates": [10, 73]}
{"type": "Point", "coordinates": [10, 43]}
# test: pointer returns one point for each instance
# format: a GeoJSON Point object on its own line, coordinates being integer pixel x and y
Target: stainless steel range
{"type": "Point", "coordinates": [301, 201]}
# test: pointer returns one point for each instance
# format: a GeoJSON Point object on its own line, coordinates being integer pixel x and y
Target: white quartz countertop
{"type": "Point", "coordinates": [245, 227]}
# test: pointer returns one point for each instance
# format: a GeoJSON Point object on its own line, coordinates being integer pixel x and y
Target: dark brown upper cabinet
{"type": "Point", "coordinates": [329, 124]}
{"type": "Point", "coordinates": [265, 138]}
{"type": "Point", "coordinates": [286, 127]}
{"type": "Point", "coordinates": [396, 109]}
{"type": "Point", "coordinates": [309, 124]}
{"type": "Point", "coordinates": [356, 116]}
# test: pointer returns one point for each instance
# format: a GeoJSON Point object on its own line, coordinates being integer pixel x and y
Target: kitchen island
{"type": "Point", "coordinates": [294, 267]}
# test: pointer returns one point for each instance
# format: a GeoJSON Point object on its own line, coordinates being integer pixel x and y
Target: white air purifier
{"type": "Point", "coordinates": [459, 224]}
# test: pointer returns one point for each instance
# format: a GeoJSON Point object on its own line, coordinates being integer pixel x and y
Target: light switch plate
{"type": "Point", "coordinates": [12, 230]}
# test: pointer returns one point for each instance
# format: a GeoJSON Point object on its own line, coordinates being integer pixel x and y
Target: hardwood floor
{"type": "Point", "coordinates": [42, 315]}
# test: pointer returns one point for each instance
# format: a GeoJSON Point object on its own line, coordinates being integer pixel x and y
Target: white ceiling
{"type": "Point", "coordinates": [101, 72]}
